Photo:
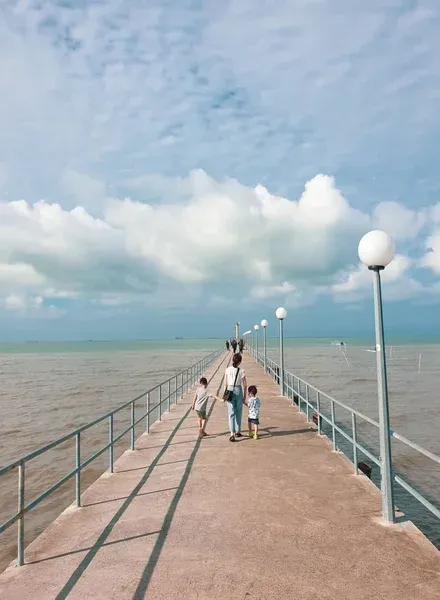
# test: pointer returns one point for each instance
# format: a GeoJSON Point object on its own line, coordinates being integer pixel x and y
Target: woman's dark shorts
{"type": "Point", "coordinates": [254, 421]}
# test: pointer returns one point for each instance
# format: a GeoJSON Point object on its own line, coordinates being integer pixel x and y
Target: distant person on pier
{"type": "Point", "coordinates": [227, 345]}
{"type": "Point", "coordinates": [241, 346]}
{"type": "Point", "coordinates": [234, 346]}
{"type": "Point", "coordinates": [235, 381]}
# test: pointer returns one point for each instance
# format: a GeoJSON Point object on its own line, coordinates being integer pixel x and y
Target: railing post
{"type": "Point", "coordinates": [307, 402]}
{"type": "Point", "coordinates": [148, 412]}
{"type": "Point", "coordinates": [78, 469]}
{"type": "Point", "coordinates": [160, 402]}
{"type": "Point", "coordinates": [354, 435]}
{"type": "Point", "coordinates": [333, 425]}
{"type": "Point", "coordinates": [132, 427]}
{"type": "Point", "coordinates": [175, 390]}
{"type": "Point", "coordinates": [386, 463]}
{"type": "Point", "coordinates": [20, 536]}
{"type": "Point", "coordinates": [265, 349]}
{"type": "Point", "coordinates": [299, 395]}
{"type": "Point", "coordinates": [181, 385]}
{"type": "Point", "coordinates": [281, 358]}
{"type": "Point", "coordinates": [318, 406]}
{"type": "Point", "coordinates": [110, 441]}
{"type": "Point", "coordinates": [169, 395]}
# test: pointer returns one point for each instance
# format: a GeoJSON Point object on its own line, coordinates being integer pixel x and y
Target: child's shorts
{"type": "Point", "coordinates": [201, 414]}
{"type": "Point", "coordinates": [254, 421]}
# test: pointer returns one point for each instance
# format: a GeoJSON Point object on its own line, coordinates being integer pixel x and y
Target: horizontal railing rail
{"type": "Point", "coordinates": [300, 390]}
{"type": "Point", "coordinates": [175, 387]}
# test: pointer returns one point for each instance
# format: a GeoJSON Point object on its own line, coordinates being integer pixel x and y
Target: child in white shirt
{"type": "Point", "coordinates": [253, 403]}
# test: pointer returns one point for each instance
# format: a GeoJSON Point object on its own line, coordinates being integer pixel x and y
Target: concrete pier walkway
{"type": "Point", "coordinates": [279, 517]}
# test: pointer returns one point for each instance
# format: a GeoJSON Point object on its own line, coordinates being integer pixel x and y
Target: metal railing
{"type": "Point", "coordinates": [303, 392]}
{"type": "Point", "coordinates": [168, 393]}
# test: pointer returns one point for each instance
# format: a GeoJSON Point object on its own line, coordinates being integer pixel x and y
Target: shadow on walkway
{"type": "Point", "coordinates": [275, 432]}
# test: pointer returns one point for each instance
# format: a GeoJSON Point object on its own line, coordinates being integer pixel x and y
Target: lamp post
{"type": "Point", "coordinates": [376, 251]}
{"type": "Point", "coordinates": [264, 325]}
{"type": "Point", "coordinates": [256, 329]}
{"type": "Point", "coordinates": [246, 338]}
{"type": "Point", "coordinates": [281, 314]}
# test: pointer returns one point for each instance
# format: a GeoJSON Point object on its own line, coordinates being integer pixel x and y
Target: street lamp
{"type": "Point", "coordinates": [256, 328]}
{"type": "Point", "coordinates": [281, 314]}
{"type": "Point", "coordinates": [246, 338]}
{"type": "Point", "coordinates": [264, 325]}
{"type": "Point", "coordinates": [376, 251]}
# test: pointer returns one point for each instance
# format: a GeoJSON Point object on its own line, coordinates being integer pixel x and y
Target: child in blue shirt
{"type": "Point", "coordinates": [253, 403]}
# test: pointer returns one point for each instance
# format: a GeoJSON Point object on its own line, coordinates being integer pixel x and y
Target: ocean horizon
{"type": "Point", "coordinates": [194, 343]}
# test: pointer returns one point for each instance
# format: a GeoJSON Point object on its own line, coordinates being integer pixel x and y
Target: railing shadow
{"type": "Point", "coordinates": [79, 550]}
{"type": "Point", "coordinates": [125, 497]}
{"type": "Point", "coordinates": [173, 462]}
{"type": "Point", "coordinates": [275, 432]}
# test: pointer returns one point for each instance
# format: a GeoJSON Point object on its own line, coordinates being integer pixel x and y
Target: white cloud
{"type": "Point", "coordinates": [399, 221]}
{"type": "Point", "coordinates": [214, 232]}
{"type": "Point", "coordinates": [31, 306]}
{"type": "Point", "coordinates": [278, 291]}
{"type": "Point", "coordinates": [398, 284]}
{"type": "Point", "coordinates": [13, 302]}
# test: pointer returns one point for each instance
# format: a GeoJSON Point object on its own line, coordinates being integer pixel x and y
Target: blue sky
{"type": "Point", "coordinates": [169, 167]}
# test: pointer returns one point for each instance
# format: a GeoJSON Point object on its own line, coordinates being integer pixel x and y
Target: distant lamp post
{"type": "Point", "coordinates": [281, 314]}
{"type": "Point", "coordinates": [264, 324]}
{"type": "Point", "coordinates": [376, 251]}
{"type": "Point", "coordinates": [246, 338]}
{"type": "Point", "coordinates": [256, 329]}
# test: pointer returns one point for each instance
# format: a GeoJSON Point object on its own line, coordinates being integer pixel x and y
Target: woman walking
{"type": "Point", "coordinates": [235, 381]}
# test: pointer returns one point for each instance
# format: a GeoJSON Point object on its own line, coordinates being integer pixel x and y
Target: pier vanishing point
{"type": "Point", "coordinates": [285, 516]}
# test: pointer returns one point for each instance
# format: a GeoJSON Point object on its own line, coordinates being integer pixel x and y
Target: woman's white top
{"type": "Point", "coordinates": [230, 374]}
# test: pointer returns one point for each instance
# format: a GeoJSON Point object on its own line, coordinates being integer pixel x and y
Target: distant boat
{"type": "Point", "coordinates": [178, 338]}
{"type": "Point", "coordinates": [337, 344]}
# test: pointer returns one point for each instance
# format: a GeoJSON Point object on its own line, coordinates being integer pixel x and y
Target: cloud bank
{"type": "Point", "coordinates": [213, 234]}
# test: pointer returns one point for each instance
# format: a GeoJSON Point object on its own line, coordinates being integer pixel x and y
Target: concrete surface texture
{"type": "Point", "coordinates": [278, 517]}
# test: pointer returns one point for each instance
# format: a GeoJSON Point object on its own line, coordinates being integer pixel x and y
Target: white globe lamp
{"type": "Point", "coordinates": [376, 249]}
{"type": "Point", "coordinates": [264, 324]}
{"type": "Point", "coordinates": [281, 313]}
